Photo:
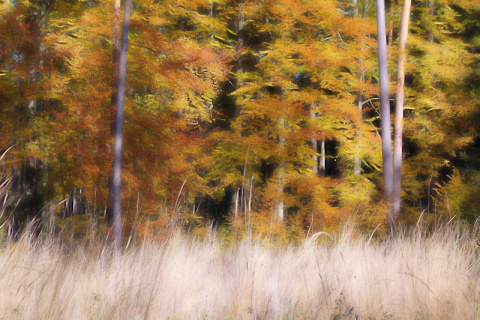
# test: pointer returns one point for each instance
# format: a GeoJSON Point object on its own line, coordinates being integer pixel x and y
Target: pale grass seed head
{"type": "Point", "coordinates": [408, 276]}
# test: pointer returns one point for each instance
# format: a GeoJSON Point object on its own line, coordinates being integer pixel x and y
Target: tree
{"type": "Point", "coordinates": [117, 162]}
{"type": "Point", "coordinates": [439, 120]}
{"type": "Point", "coordinates": [431, 12]}
{"type": "Point", "coordinates": [270, 108]}
{"type": "Point", "coordinates": [116, 48]}
{"type": "Point", "coordinates": [167, 106]}
{"type": "Point", "coordinates": [385, 104]}
{"type": "Point", "coordinates": [296, 90]}
{"type": "Point", "coordinates": [399, 102]}
{"type": "Point", "coordinates": [27, 61]}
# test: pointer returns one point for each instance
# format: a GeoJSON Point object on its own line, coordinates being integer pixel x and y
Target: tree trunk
{"type": "Point", "coordinates": [17, 190]}
{"type": "Point", "coordinates": [281, 173]}
{"type": "Point", "coordinates": [366, 8]}
{"type": "Point", "coordinates": [241, 37]}
{"type": "Point", "coordinates": [390, 23]}
{"type": "Point", "coordinates": [400, 97]}
{"type": "Point", "coordinates": [68, 212]}
{"type": "Point", "coordinates": [314, 140]}
{"type": "Point", "coordinates": [384, 102]}
{"type": "Point", "coordinates": [431, 6]}
{"type": "Point", "coordinates": [116, 41]}
{"type": "Point", "coordinates": [323, 162]}
{"type": "Point", "coordinates": [355, 8]}
{"type": "Point", "coordinates": [117, 157]}
{"type": "Point", "coordinates": [315, 156]}
{"type": "Point", "coordinates": [357, 162]}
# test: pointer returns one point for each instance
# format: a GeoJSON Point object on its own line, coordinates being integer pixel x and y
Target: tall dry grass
{"type": "Point", "coordinates": [345, 277]}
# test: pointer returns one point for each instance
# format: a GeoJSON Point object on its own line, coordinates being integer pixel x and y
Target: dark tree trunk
{"type": "Point", "coordinates": [81, 201]}
{"type": "Point", "coordinates": [68, 205]}
{"type": "Point", "coordinates": [16, 190]}
{"type": "Point", "coordinates": [30, 199]}
{"type": "Point", "coordinates": [76, 202]}
{"type": "Point", "coordinates": [26, 201]}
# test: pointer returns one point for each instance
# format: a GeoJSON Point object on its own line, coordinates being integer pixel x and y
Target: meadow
{"type": "Point", "coordinates": [412, 275]}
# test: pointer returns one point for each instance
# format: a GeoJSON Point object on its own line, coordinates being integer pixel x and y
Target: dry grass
{"type": "Point", "coordinates": [406, 277]}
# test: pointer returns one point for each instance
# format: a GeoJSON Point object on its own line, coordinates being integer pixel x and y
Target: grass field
{"type": "Point", "coordinates": [342, 277]}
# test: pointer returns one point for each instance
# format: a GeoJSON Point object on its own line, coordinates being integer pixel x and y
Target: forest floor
{"type": "Point", "coordinates": [346, 276]}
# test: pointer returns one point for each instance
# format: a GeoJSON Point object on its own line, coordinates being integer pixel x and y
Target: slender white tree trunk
{"type": "Point", "coordinates": [400, 100]}
{"type": "Point", "coordinates": [117, 157]}
{"type": "Point", "coordinates": [315, 157]}
{"type": "Point", "coordinates": [323, 166]}
{"type": "Point", "coordinates": [314, 140]}
{"type": "Point", "coordinates": [384, 102]}
{"type": "Point", "coordinates": [281, 172]}
{"type": "Point", "coordinates": [355, 8]}
{"type": "Point", "coordinates": [357, 162]}
{"type": "Point", "coordinates": [116, 42]}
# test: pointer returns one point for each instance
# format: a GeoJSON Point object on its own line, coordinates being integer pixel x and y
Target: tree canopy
{"type": "Point", "coordinates": [248, 115]}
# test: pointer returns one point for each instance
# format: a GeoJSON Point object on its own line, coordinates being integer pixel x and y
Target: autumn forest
{"type": "Point", "coordinates": [245, 116]}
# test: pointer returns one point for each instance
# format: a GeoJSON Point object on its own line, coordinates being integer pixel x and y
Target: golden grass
{"type": "Point", "coordinates": [405, 277]}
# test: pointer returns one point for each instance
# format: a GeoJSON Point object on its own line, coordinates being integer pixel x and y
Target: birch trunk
{"type": "Point", "coordinates": [117, 167]}
{"type": "Point", "coordinates": [357, 162]}
{"type": "Point", "coordinates": [314, 140]}
{"type": "Point", "coordinates": [116, 41]}
{"type": "Point", "coordinates": [355, 8]}
{"type": "Point", "coordinates": [384, 102]}
{"type": "Point", "coordinates": [323, 165]}
{"type": "Point", "coordinates": [315, 157]}
{"type": "Point", "coordinates": [281, 172]}
{"type": "Point", "coordinates": [400, 99]}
